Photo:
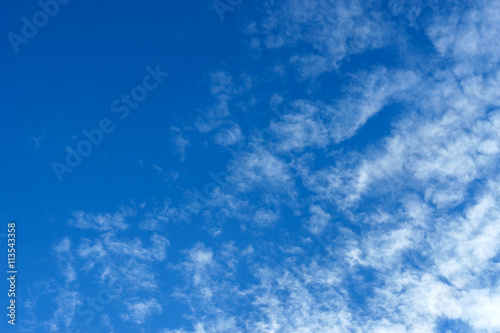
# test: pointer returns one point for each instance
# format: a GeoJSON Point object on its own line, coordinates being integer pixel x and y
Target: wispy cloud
{"type": "Point", "coordinates": [180, 142]}
{"type": "Point", "coordinates": [334, 30]}
{"type": "Point", "coordinates": [102, 222]}
{"type": "Point", "coordinates": [139, 311]}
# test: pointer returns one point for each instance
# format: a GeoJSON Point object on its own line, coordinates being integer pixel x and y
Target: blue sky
{"type": "Point", "coordinates": [281, 166]}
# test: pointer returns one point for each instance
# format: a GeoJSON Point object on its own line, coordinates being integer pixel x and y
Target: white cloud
{"type": "Point", "coordinates": [265, 217]}
{"type": "Point", "coordinates": [139, 311]}
{"type": "Point", "coordinates": [302, 128]}
{"type": "Point", "coordinates": [124, 260]}
{"type": "Point", "coordinates": [65, 257]}
{"type": "Point", "coordinates": [319, 219]}
{"type": "Point", "coordinates": [259, 168]}
{"type": "Point", "coordinates": [222, 89]}
{"type": "Point", "coordinates": [110, 260]}
{"type": "Point", "coordinates": [102, 222]}
{"type": "Point", "coordinates": [334, 30]}
{"type": "Point", "coordinates": [134, 248]}
{"type": "Point", "coordinates": [317, 125]}
{"type": "Point", "coordinates": [179, 142]}
{"type": "Point", "coordinates": [229, 136]}
{"type": "Point", "coordinates": [67, 302]}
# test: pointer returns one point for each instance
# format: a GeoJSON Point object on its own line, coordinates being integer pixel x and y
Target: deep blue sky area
{"type": "Point", "coordinates": [281, 166]}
